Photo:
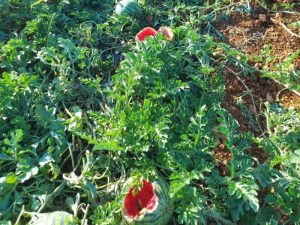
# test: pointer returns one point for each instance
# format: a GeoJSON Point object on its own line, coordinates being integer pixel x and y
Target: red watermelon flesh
{"type": "Point", "coordinates": [144, 199]}
{"type": "Point", "coordinates": [146, 32]}
{"type": "Point", "coordinates": [167, 32]}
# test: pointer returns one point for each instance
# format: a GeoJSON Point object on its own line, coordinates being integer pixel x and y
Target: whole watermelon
{"type": "Point", "coordinates": [54, 218]}
{"type": "Point", "coordinates": [129, 8]}
{"type": "Point", "coordinates": [150, 206]}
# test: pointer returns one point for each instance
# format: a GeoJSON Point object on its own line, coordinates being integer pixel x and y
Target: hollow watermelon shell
{"type": "Point", "coordinates": [128, 7]}
{"type": "Point", "coordinates": [155, 207]}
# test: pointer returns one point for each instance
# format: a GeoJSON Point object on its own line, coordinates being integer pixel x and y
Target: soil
{"type": "Point", "coordinates": [250, 33]}
{"type": "Point", "coordinates": [259, 90]}
{"type": "Point", "coordinates": [222, 156]}
{"type": "Point", "coordinates": [257, 153]}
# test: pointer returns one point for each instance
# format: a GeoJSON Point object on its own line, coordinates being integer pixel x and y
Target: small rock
{"type": "Point", "coordinates": [257, 23]}
{"type": "Point", "coordinates": [278, 14]}
{"type": "Point", "coordinates": [269, 98]}
{"type": "Point", "coordinates": [232, 108]}
{"type": "Point", "coordinates": [262, 17]}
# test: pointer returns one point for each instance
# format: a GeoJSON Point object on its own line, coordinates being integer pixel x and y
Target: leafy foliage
{"type": "Point", "coordinates": [284, 72]}
{"type": "Point", "coordinates": [83, 108]}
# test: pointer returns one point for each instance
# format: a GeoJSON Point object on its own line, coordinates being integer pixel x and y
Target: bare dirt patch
{"type": "Point", "coordinates": [251, 32]}
{"type": "Point", "coordinates": [257, 153]}
{"type": "Point", "coordinates": [223, 157]}
{"type": "Point", "coordinates": [254, 91]}
{"type": "Point", "coordinates": [246, 96]}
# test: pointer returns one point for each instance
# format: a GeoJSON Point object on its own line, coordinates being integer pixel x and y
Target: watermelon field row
{"type": "Point", "coordinates": [149, 112]}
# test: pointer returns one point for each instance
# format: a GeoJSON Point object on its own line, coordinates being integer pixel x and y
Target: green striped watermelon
{"type": "Point", "coordinates": [150, 206]}
{"type": "Point", "coordinates": [128, 7]}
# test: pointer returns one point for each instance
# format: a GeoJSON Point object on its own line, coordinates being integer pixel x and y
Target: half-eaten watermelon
{"type": "Point", "coordinates": [145, 33]}
{"type": "Point", "coordinates": [150, 206]}
{"type": "Point", "coordinates": [167, 32]}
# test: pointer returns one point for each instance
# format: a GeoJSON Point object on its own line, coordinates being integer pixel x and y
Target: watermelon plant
{"type": "Point", "coordinates": [85, 108]}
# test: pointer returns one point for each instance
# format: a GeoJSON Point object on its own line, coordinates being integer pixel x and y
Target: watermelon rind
{"type": "Point", "coordinates": [128, 7]}
{"type": "Point", "coordinates": [162, 213]}
{"type": "Point", "coordinates": [53, 218]}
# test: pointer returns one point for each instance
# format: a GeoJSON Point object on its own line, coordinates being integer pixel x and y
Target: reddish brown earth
{"type": "Point", "coordinates": [258, 90]}
{"type": "Point", "coordinates": [222, 157]}
{"type": "Point", "coordinates": [250, 33]}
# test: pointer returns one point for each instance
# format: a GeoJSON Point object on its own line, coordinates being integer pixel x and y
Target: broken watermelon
{"type": "Point", "coordinates": [150, 205]}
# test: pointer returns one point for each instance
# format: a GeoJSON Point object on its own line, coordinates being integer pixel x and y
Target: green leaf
{"type": "Point", "coordinates": [254, 203]}
{"type": "Point", "coordinates": [73, 205]}
{"type": "Point", "coordinates": [295, 217]}
{"type": "Point", "coordinates": [246, 190]}
{"type": "Point", "coordinates": [11, 178]}
{"type": "Point", "coordinates": [277, 160]}
{"type": "Point", "coordinates": [294, 157]}
{"type": "Point", "coordinates": [270, 198]}
{"type": "Point", "coordinates": [3, 156]}
{"type": "Point", "coordinates": [28, 174]}
{"type": "Point", "coordinates": [264, 215]}
{"type": "Point", "coordinates": [180, 180]}
{"type": "Point", "coordinates": [46, 159]}
{"type": "Point", "coordinates": [112, 146]}
{"type": "Point", "coordinates": [5, 222]}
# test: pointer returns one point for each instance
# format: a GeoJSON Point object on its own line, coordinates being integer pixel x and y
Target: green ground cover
{"type": "Point", "coordinates": [83, 107]}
